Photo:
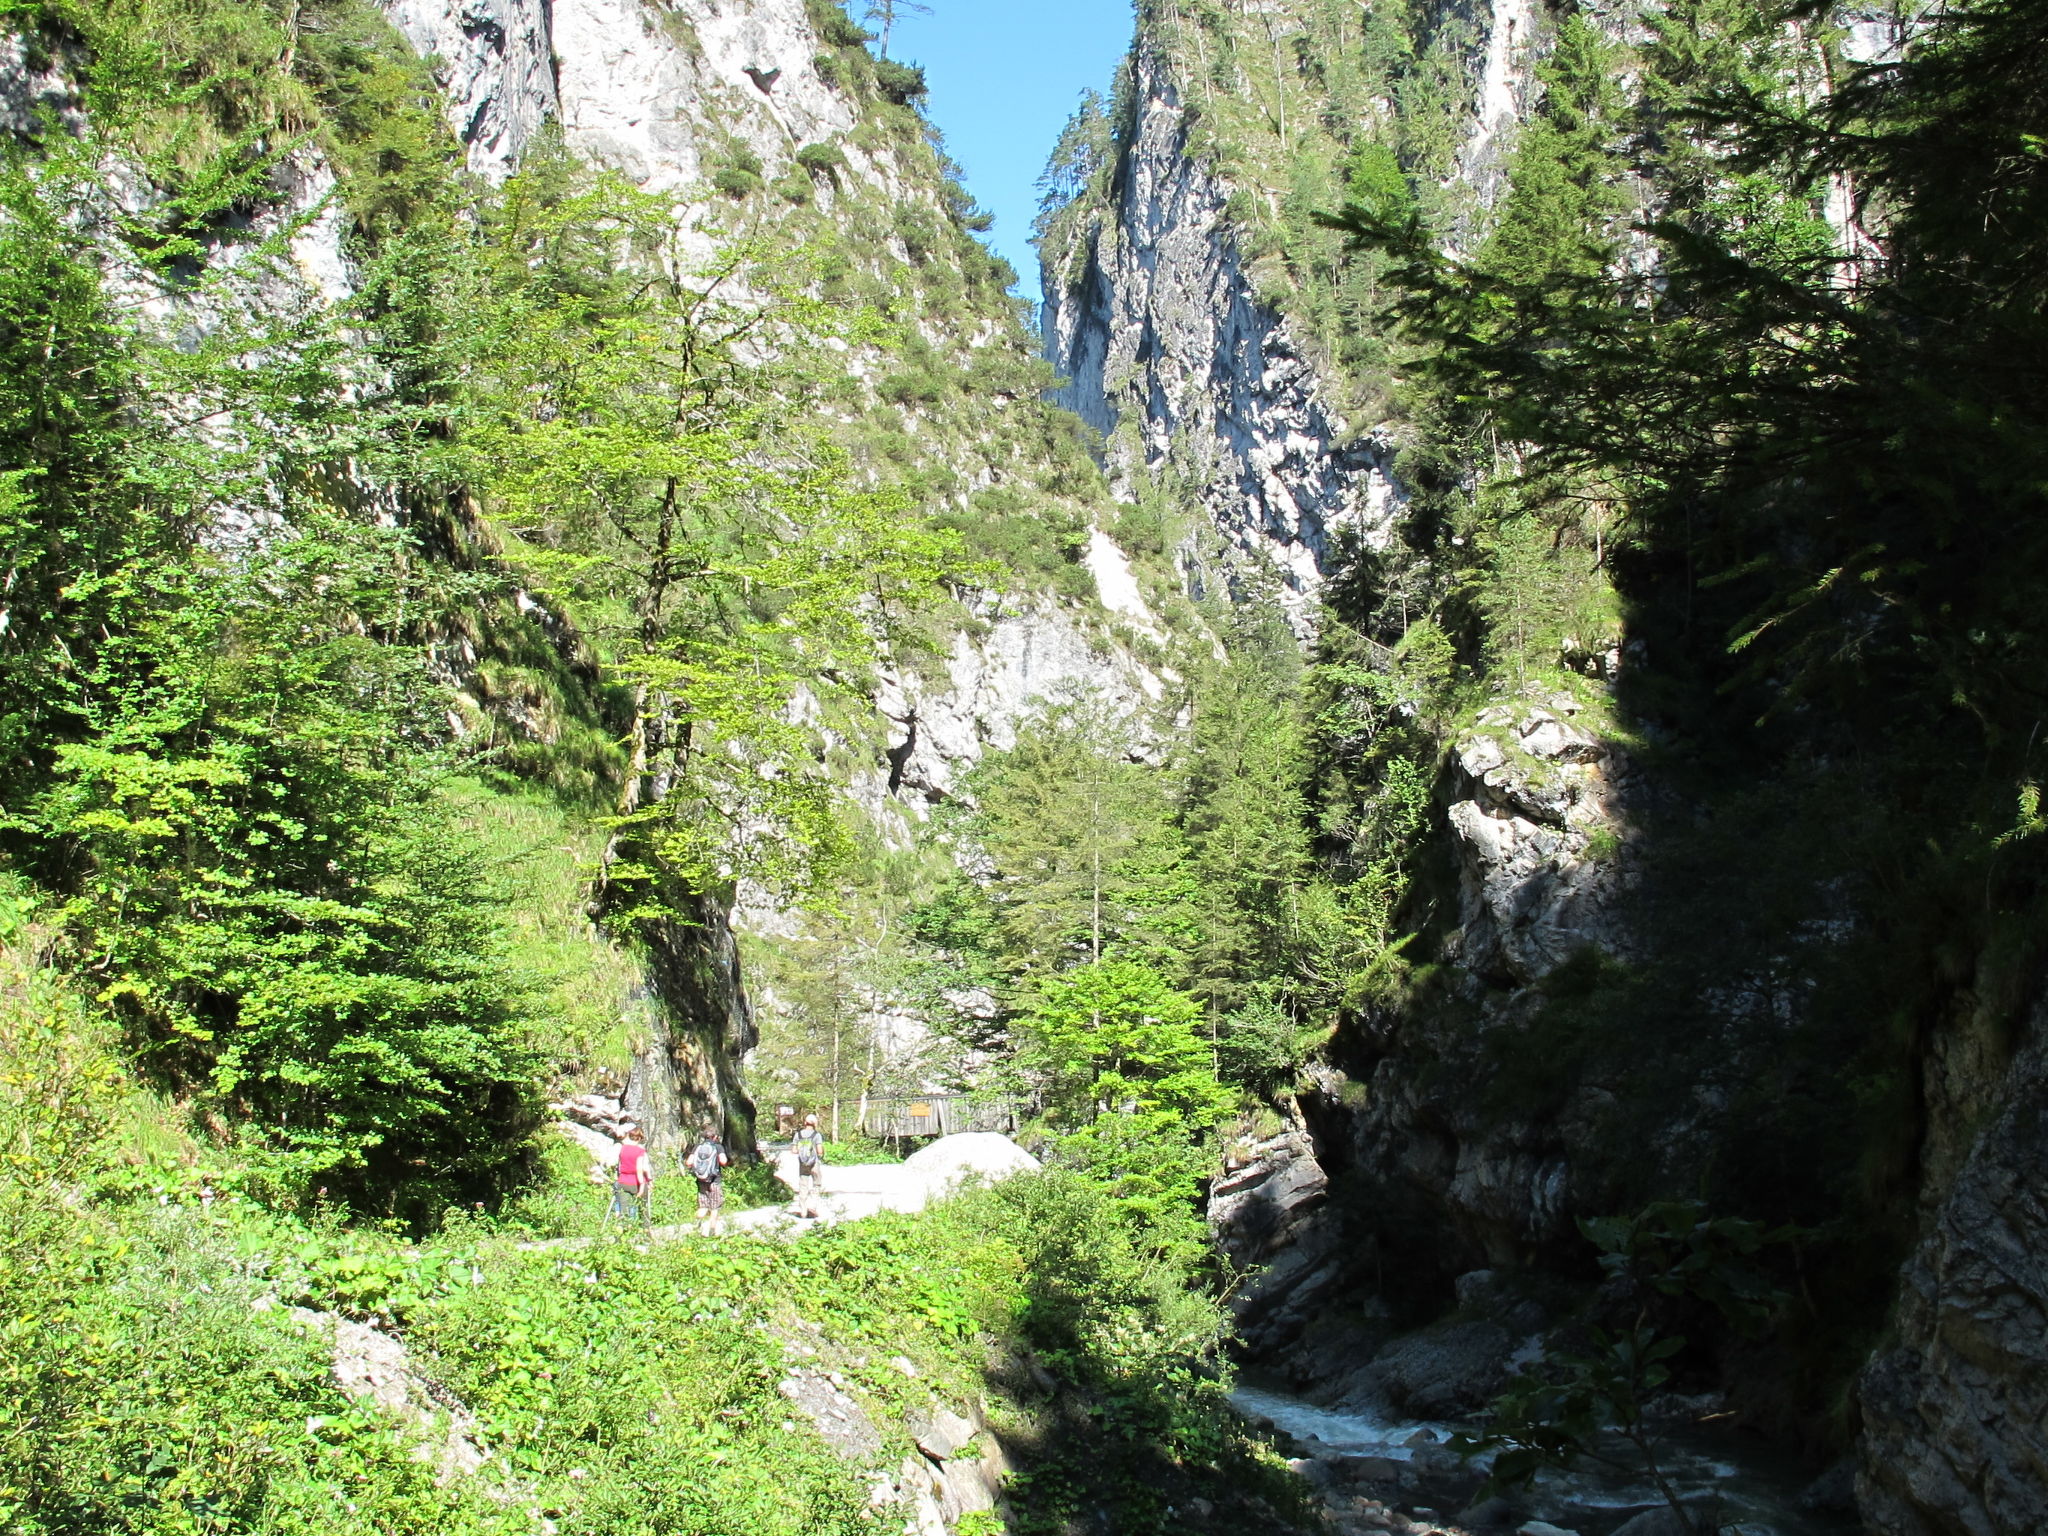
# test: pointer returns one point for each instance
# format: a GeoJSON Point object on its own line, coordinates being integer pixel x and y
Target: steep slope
{"type": "Point", "coordinates": [770, 132]}
{"type": "Point", "coordinates": [777, 126]}
{"type": "Point", "coordinates": [771, 116]}
{"type": "Point", "coordinates": [1205, 324]}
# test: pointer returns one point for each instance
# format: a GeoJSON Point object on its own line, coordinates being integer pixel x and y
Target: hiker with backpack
{"type": "Point", "coordinates": [707, 1165]}
{"type": "Point", "coordinates": [633, 1190]}
{"type": "Point", "coordinates": [810, 1168]}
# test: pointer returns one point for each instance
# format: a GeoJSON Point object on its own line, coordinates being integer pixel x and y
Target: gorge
{"type": "Point", "coordinates": [1449, 724]}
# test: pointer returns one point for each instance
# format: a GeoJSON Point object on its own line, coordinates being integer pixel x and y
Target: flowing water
{"type": "Point", "coordinates": [1757, 1490]}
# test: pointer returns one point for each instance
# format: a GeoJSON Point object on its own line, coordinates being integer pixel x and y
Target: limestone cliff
{"type": "Point", "coordinates": [1152, 318]}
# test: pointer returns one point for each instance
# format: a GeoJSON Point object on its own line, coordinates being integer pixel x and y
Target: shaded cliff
{"type": "Point", "coordinates": [1652, 940]}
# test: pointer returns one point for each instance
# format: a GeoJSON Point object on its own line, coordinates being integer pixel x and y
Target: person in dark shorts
{"type": "Point", "coordinates": [633, 1190]}
{"type": "Point", "coordinates": [707, 1165]}
{"type": "Point", "coordinates": [810, 1169]}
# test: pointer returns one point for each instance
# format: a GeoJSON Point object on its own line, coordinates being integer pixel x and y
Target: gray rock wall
{"type": "Point", "coordinates": [1153, 319]}
{"type": "Point", "coordinates": [1955, 1410]}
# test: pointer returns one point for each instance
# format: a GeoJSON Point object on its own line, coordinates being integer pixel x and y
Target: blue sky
{"type": "Point", "coordinates": [1004, 77]}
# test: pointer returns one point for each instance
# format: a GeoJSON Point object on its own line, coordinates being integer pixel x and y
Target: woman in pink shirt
{"type": "Point", "coordinates": [631, 1194]}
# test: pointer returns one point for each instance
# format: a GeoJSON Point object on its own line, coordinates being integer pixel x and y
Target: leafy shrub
{"type": "Point", "coordinates": [141, 1391]}
{"type": "Point", "coordinates": [275, 908]}
{"type": "Point", "coordinates": [900, 83]}
{"type": "Point", "coordinates": [736, 182]}
{"type": "Point", "coordinates": [822, 159]}
{"type": "Point", "coordinates": [834, 26]}
{"type": "Point", "coordinates": [913, 386]}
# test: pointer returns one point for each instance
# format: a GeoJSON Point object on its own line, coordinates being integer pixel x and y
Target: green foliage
{"type": "Point", "coordinates": [1088, 859]}
{"type": "Point", "coordinates": [1813, 459]}
{"type": "Point", "coordinates": [1563, 194]}
{"type": "Point", "coordinates": [1540, 598]}
{"type": "Point", "coordinates": [1263, 1045]}
{"type": "Point", "coordinates": [212, 94]}
{"type": "Point", "coordinates": [833, 26]}
{"type": "Point", "coordinates": [271, 911]}
{"type": "Point", "coordinates": [154, 1383]}
{"type": "Point", "coordinates": [582, 995]}
{"type": "Point", "coordinates": [737, 181]}
{"type": "Point", "coordinates": [1118, 1056]}
{"type": "Point", "coordinates": [822, 159]}
{"type": "Point", "coordinates": [143, 1394]}
{"type": "Point", "coordinates": [1677, 1250]}
{"type": "Point", "coordinates": [676, 499]}
{"type": "Point", "coordinates": [900, 83]}
{"type": "Point", "coordinates": [220, 755]}
{"type": "Point", "coordinates": [1244, 815]}
{"type": "Point", "coordinates": [1113, 1038]}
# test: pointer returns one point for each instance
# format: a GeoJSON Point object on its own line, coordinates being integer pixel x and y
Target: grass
{"type": "Point", "coordinates": [158, 1381]}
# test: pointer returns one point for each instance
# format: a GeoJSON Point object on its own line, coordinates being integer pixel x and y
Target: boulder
{"type": "Point", "coordinates": [962, 1490]}
{"type": "Point", "coordinates": [1548, 737]}
{"type": "Point", "coordinates": [1260, 1207]}
{"type": "Point", "coordinates": [984, 1152]}
{"type": "Point", "coordinates": [923, 1488]}
{"type": "Point", "coordinates": [1370, 1469]}
{"type": "Point", "coordinates": [945, 1435]}
{"type": "Point", "coordinates": [1443, 1371]}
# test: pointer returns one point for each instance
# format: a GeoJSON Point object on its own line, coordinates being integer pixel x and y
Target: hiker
{"type": "Point", "coordinates": [708, 1163]}
{"type": "Point", "coordinates": [633, 1191]}
{"type": "Point", "coordinates": [810, 1168]}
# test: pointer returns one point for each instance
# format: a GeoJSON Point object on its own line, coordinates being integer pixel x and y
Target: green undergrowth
{"type": "Point", "coordinates": [159, 1379]}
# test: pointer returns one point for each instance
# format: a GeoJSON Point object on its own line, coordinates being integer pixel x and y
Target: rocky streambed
{"type": "Point", "coordinates": [1378, 1472]}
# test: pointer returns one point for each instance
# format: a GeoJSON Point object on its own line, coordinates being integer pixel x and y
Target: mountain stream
{"type": "Point", "coordinates": [1379, 1474]}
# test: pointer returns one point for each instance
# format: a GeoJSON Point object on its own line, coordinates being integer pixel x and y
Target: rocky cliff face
{"type": "Point", "coordinates": [1459, 1135]}
{"type": "Point", "coordinates": [1152, 318]}
{"type": "Point", "coordinates": [1955, 1410]}
{"type": "Point", "coordinates": [651, 91]}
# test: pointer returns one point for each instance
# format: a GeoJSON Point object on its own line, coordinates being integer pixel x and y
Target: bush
{"type": "Point", "coordinates": [913, 386]}
{"type": "Point", "coordinates": [736, 183]}
{"type": "Point", "coordinates": [275, 905]}
{"type": "Point", "coordinates": [900, 83]}
{"type": "Point", "coordinates": [827, 159]}
{"type": "Point", "coordinates": [834, 26]}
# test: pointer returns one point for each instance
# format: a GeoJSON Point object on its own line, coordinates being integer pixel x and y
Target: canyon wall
{"type": "Point", "coordinates": [1577, 866]}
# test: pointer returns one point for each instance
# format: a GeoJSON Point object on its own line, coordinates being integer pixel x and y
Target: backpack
{"type": "Point", "coordinates": [810, 1152]}
{"type": "Point", "coordinates": [704, 1161]}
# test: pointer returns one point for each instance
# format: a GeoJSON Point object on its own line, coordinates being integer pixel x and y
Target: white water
{"type": "Point", "coordinates": [1353, 1434]}
{"type": "Point", "coordinates": [1756, 1494]}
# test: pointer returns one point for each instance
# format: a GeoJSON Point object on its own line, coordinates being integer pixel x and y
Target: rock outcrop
{"type": "Point", "coordinates": [494, 61]}
{"type": "Point", "coordinates": [942, 721]}
{"type": "Point", "coordinates": [652, 91]}
{"type": "Point", "coordinates": [1153, 319]}
{"type": "Point", "coordinates": [1955, 1411]}
{"type": "Point", "coordinates": [1534, 817]}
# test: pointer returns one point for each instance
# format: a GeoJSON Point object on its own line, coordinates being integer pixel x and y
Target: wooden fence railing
{"type": "Point", "coordinates": [935, 1114]}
